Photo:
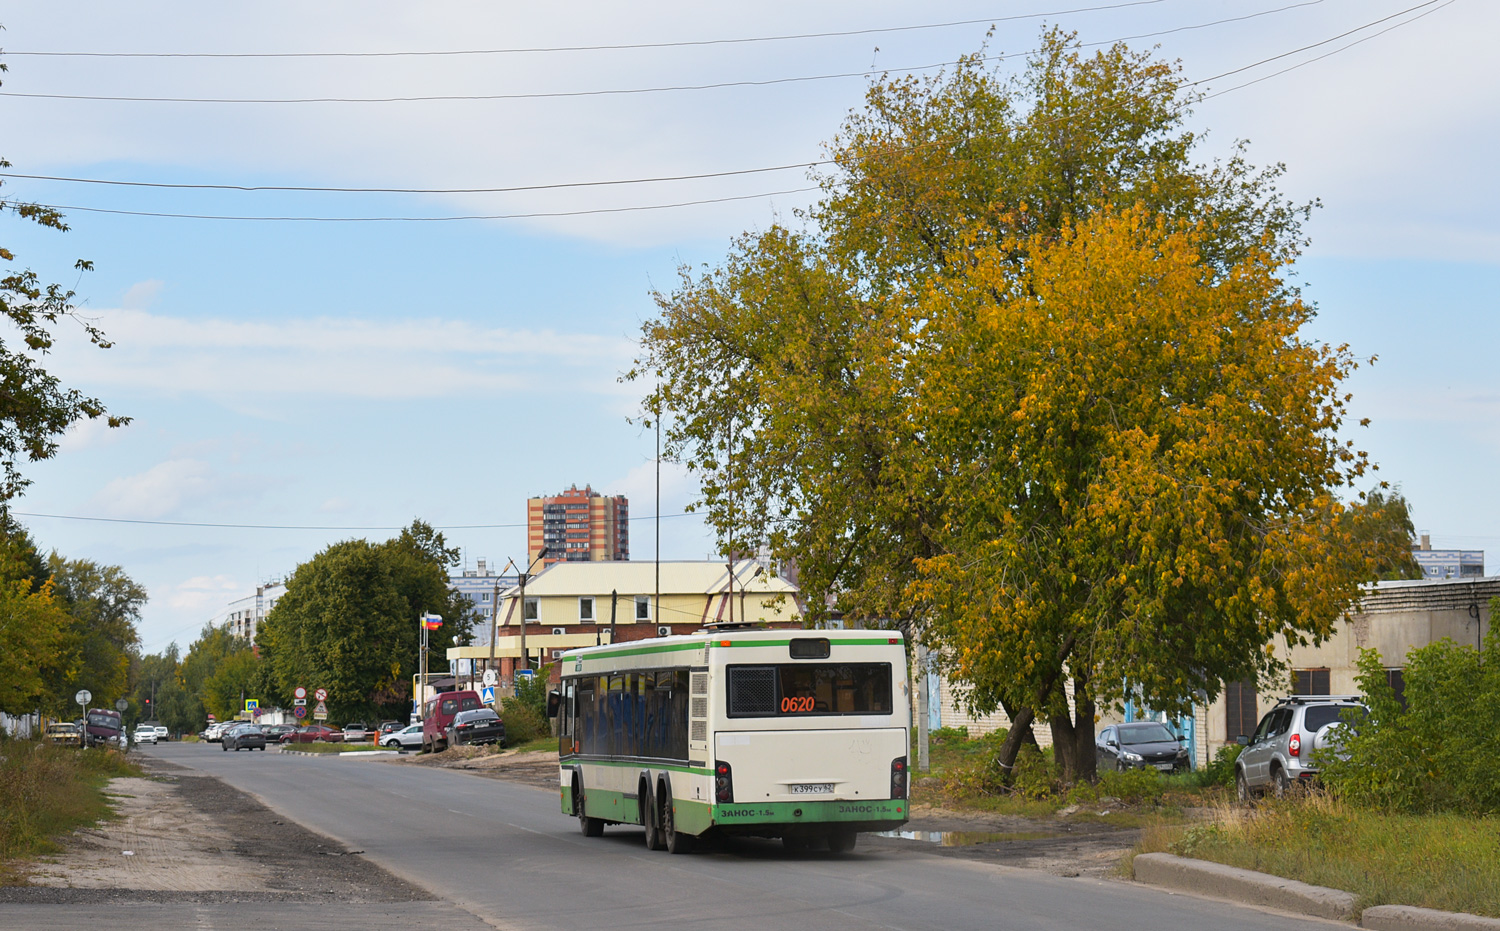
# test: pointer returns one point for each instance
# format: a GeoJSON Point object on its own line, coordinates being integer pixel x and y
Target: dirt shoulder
{"type": "Point", "coordinates": [1062, 845]}
{"type": "Point", "coordinates": [182, 837]}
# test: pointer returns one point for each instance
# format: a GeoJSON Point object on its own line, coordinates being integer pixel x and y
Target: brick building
{"type": "Point", "coordinates": [579, 525]}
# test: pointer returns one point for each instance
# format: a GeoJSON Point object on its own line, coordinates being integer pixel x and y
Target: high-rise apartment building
{"type": "Point", "coordinates": [578, 526]}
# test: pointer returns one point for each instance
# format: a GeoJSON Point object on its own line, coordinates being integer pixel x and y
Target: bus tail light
{"type": "Point", "coordinates": [1294, 746]}
{"type": "Point", "coordinates": [723, 783]}
{"type": "Point", "coordinates": [898, 777]}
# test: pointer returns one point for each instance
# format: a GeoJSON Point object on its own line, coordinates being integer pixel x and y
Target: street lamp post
{"type": "Point", "coordinates": [526, 660]}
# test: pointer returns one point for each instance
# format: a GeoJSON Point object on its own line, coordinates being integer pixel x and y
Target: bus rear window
{"type": "Point", "coordinates": [809, 689]}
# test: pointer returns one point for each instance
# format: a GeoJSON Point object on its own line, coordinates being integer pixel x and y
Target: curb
{"type": "Point", "coordinates": [354, 754]}
{"type": "Point", "coordinates": [1411, 918]}
{"type": "Point", "coordinates": [1202, 877]}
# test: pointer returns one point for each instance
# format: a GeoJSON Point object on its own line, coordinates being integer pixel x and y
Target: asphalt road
{"type": "Point", "coordinates": [504, 852]}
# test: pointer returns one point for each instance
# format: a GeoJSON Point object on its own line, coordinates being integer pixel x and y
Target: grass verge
{"type": "Point", "coordinates": [47, 791]}
{"type": "Point", "coordinates": [1443, 861]}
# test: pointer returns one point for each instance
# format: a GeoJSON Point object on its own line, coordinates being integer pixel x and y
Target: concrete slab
{"type": "Point", "coordinates": [1411, 918]}
{"type": "Point", "coordinates": [1227, 882]}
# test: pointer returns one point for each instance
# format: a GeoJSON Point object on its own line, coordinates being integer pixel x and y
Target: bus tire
{"type": "Point", "coordinates": [591, 827]}
{"type": "Point", "coordinates": [676, 841]}
{"type": "Point", "coordinates": [842, 841]}
{"type": "Point", "coordinates": [647, 802]}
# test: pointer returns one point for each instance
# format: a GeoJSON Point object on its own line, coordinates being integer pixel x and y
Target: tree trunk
{"type": "Point", "coordinates": [1073, 736]}
{"type": "Point", "coordinates": [1020, 733]}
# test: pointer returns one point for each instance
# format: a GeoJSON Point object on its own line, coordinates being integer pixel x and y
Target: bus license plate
{"type": "Point", "coordinates": [812, 788]}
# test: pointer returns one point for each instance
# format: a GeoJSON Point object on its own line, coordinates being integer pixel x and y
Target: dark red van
{"type": "Point", "coordinates": [438, 713]}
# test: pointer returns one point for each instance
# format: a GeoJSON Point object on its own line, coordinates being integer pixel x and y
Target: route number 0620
{"type": "Point", "coordinates": [796, 705]}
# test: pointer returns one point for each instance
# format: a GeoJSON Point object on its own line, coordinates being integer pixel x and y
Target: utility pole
{"type": "Point", "coordinates": [656, 610]}
{"type": "Point", "coordinates": [923, 761]}
{"type": "Point", "coordinates": [614, 601]}
{"type": "Point", "coordinates": [526, 660]}
{"type": "Point", "coordinates": [495, 618]}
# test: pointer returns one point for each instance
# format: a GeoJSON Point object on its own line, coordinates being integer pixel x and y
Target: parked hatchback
{"type": "Point", "coordinates": [311, 734]}
{"type": "Point", "coordinates": [480, 726]}
{"type": "Point", "coordinates": [1279, 754]}
{"type": "Point", "coordinates": [408, 738]}
{"type": "Point", "coordinates": [1140, 745]}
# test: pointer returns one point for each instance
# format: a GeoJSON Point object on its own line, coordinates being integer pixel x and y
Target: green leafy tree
{"type": "Point", "coordinates": [158, 694]}
{"type": "Point", "coordinates": [349, 623]}
{"type": "Point", "coordinates": [880, 397]}
{"type": "Point", "coordinates": [1381, 522]}
{"type": "Point", "coordinates": [200, 667]}
{"type": "Point", "coordinates": [105, 605]}
{"type": "Point", "coordinates": [1435, 752]}
{"type": "Point", "coordinates": [35, 408]}
{"type": "Point", "coordinates": [33, 639]}
{"type": "Point", "coordinates": [234, 680]}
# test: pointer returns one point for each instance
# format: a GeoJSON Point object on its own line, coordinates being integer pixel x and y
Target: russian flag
{"type": "Point", "coordinates": [432, 621]}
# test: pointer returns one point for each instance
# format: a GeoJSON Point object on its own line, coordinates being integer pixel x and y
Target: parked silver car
{"type": "Point", "coordinates": [408, 738]}
{"type": "Point", "coordinates": [1280, 752]}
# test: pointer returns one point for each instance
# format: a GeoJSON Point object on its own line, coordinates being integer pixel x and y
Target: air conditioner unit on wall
{"type": "Point", "coordinates": [559, 631]}
{"type": "Point", "coordinates": [664, 631]}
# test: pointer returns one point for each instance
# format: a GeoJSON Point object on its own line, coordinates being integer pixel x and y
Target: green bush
{"type": "Point", "coordinates": [531, 691]}
{"type": "Point", "coordinates": [522, 722]}
{"type": "Point", "coordinates": [949, 735]}
{"type": "Point", "coordinates": [1133, 786]}
{"type": "Point", "coordinates": [1439, 752]}
{"type": "Point", "coordinates": [1220, 771]}
{"type": "Point", "coordinates": [1034, 776]}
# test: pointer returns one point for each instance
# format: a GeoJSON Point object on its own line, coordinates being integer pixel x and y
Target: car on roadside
{"type": "Point", "coordinates": [1280, 753]}
{"type": "Point", "coordinates": [274, 732]}
{"type": "Point", "coordinates": [1140, 745]}
{"type": "Point", "coordinates": [161, 732]}
{"type": "Point", "coordinates": [389, 727]}
{"type": "Point", "coordinates": [215, 731]}
{"type": "Point", "coordinates": [63, 732]}
{"type": "Point", "coordinates": [355, 732]}
{"type": "Point", "coordinates": [480, 726]}
{"type": "Point", "coordinates": [438, 714]}
{"type": "Point", "coordinates": [408, 738]}
{"type": "Point", "coordinates": [313, 733]}
{"type": "Point", "coordinates": [243, 737]}
{"type": "Point", "coordinates": [144, 734]}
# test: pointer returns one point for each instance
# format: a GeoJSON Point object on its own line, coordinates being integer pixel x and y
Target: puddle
{"type": "Point", "coordinates": [965, 838]}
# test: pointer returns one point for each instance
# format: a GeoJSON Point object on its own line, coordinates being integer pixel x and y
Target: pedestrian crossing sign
{"type": "Point", "coordinates": [487, 695]}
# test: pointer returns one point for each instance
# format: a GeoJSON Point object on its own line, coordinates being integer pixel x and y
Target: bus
{"type": "Point", "coordinates": [790, 734]}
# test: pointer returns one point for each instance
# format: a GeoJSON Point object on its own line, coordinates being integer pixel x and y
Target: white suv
{"type": "Point", "coordinates": [1279, 754]}
{"type": "Point", "coordinates": [144, 734]}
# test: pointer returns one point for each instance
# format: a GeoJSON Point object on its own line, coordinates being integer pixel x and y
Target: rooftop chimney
{"type": "Point", "coordinates": [1426, 542]}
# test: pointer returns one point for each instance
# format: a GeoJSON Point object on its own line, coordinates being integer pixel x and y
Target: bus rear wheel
{"type": "Point", "coordinates": [677, 842]}
{"type": "Point", "coordinates": [841, 841]}
{"type": "Point", "coordinates": [650, 817]}
{"type": "Point", "coordinates": [591, 827]}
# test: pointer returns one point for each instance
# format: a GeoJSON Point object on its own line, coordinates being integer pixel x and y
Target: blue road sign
{"type": "Point", "coordinates": [487, 695]}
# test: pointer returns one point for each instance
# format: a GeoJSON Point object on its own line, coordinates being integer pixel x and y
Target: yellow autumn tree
{"type": "Point", "coordinates": [1143, 465]}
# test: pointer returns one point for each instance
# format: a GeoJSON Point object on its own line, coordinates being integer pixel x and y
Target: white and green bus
{"type": "Point", "coordinates": [795, 734]}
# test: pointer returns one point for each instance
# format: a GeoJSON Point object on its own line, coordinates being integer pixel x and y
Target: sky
{"type": "Point", "coordinates": [316, 381]}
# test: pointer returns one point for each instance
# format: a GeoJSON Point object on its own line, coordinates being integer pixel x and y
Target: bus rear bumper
{"type": "Point", "coordinates": [779, 819]}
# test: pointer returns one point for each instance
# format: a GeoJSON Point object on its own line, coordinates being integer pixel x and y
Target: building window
{"type": "Point", "coordinates": [529, 610]}
{"type": "Point", "coordinates": [1396, 679]}
{"type": "Point", "coordinates": [1310, 682]}
{"type": "Point", "coordinates": [484, 596]}
{"type": "Point", "coordinates": [643, 607]}
{"type": "Point", "coordinates": [1240, 711]}
{"type": "Point", "coordinates": [585, 609]}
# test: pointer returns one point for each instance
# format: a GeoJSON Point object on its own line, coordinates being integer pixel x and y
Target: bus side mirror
{"type": "Point", "coordinates": [553, 701]}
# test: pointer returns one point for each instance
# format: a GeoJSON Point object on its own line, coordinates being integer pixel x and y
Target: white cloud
{"type": "Point", "coordinates": [158, 491]}
{"type": "Point", "coordinates": [336, 357]}
{"type": "Point", "coordinates": [142, 294]}
{"type": "Point", "coordinates": [89, 433]}
{"type": "Point", "coordinates": [204, 594]}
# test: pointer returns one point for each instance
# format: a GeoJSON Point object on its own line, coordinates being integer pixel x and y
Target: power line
{"type": "Point", "coordinates": [589, 211]}
{"type": "Point", "coordinates": [225, 526]}
{"type": "Point", "coordinates": [690, 43]}
{"type": "Point", "coordinates": [627, 91]}
{"type": "Point", "coordinates": [395, 190]}
{"type": "Point", "coordinates": [1434, 4]}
